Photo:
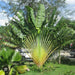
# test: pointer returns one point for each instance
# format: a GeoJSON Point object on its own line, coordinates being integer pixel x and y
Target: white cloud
{"type": "Point", "coordinates": [71, 7]}
{"type": "Point", "coordinates": [2, 22]}
{"type": "Point", "coordinates": [3, 19]}
{"type": "Point", "coordinates": [4, 0]}
{"type": "Point", "coordinates": [71, 2]}
{"type": "Point", "coordinates": [9, 1]}
{"type": "Point", "coordinates": [71, 17]}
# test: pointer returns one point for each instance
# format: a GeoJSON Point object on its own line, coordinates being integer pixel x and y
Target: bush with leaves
{"type": "Point", "coordinates": [8, 59]}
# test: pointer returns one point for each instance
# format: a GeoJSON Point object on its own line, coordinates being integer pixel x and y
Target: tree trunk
{"type": "Point", "coordinates": [59, 58]}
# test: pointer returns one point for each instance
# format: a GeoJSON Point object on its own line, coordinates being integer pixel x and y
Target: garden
{"type": "Point", "coordinates": [41, 34]}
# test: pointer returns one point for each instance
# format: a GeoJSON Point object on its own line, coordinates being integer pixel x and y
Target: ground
{"type": "Point", "coordinates": [59, 69]}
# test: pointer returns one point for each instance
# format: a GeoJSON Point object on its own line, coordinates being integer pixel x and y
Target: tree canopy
{"type": "Point", "coordinates": [14, 6]}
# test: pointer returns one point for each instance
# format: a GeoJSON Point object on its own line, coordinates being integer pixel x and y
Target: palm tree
{"type": "Point", "coordinates": [39, 34]}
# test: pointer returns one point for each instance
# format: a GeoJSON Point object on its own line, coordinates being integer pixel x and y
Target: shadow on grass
{"type": "Point", "coordinates": [67, 61]}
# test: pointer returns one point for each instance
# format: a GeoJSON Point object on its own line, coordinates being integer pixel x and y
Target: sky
{"type": "Point", "coordinates": [70, 6]}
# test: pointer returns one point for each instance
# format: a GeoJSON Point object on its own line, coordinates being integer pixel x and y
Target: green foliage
{"type": "Point", "coordinates": [52, 19]}
{"type": "Point", "coordinates": [13, 72]}
{"type": "Point", "coordinates": [8, 58]}
{"type": "Point", "coordinates": [21, 69]}
{"type": "Point", "coordinates": [3, 31]}
{"type": "Point", "coordinates": [44, 68]}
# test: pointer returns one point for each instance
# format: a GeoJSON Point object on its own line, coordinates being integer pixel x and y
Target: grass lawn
{"type": "Point", "coordinates": [57, 70]}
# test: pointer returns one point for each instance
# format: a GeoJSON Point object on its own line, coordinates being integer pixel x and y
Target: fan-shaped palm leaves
{"type": "Point", "coordinates": [38, 34]}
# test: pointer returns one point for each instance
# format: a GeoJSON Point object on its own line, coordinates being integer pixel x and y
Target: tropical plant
{"type": "Point", "coordinates": [8, 58]}
{"type": "Point", "coordinates": [40, 35]}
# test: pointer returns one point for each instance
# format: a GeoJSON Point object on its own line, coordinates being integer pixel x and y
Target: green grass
{"type": "Point", "coordinates": [56, 70]}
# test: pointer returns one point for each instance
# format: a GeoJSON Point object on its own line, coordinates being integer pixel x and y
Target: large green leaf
{"type": "Point", "coordinates": [16, 56]}
{"type": "Point", "coordinates": [38, 21]}
{"type": "Point", "coordinates": [22, 68]}
{"type": "Point", "coordinates": [2, 72]}
{"type": "Point", "coordinates": [31, 16]}
{"type": "Point", "coordinates": [13, 72]}
{"type": "Point", "coordinates": [9, 44]}
{"type": "Point", "coordinates": [40, 16]}
{"type": "Point", "coordinates": [5, 55]}
{"type": "Point", "coordinates": [20, 17]}
{"type": "Point", "coordinates": [8, 56]}
{"type": "Point", "coordinates": [17, 31]}
{"type": "Point", "coordinates": [52, 19]}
